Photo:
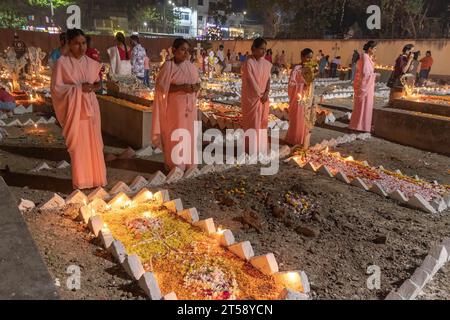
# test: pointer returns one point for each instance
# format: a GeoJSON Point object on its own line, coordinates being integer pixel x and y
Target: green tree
{"type": "Point", "coordinates": [10, 16]}
{"type": "Point", "coordinates": [47, 3]}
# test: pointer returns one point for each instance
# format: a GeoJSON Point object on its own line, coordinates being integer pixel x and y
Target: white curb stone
{"type": "Point", "coordinates": [439, 252]}
{"type": "Point", "coordinates": [191, 173]}
{"type": "Point", "coordinates": [118, 251]}
{"type": "Point", "coordinates": [145, 152]}
{"type": "Point", "coordinates": [174, 205]}
{"type": "Point", "coordinates": [225, 237]}
{"type": "Point", "coordinates": [243, 250]}
{"type": "Point", "coordinates": [133, 266]}
{"type": "Point", "coordinates": [439, 205]}
{"type": "Point", "coordinates": [176, 174]}
{"type": "Point", "coordinates": [417, 201]}
{"type": "Point", "coordinates": [158, 178]}
{"type": "Point", "coordinates": [149, 284]}
{"type": "Point", "coordinates": [288, 294]}
{"type": "Point", "coordinates": [325, 171]}
{"type": "Point", "coordinates": [106, 238]}
{"type": "Point", "coordinates": [95, 224]}
{"type": "Point", "coordinates": [120, 187]}
{"type": "Point", "coordinates": [138, 183]}
{"type": "Point", "coordinates": [408, 290]}
{"type": "Point", "coordinates": [267, 263]}
{"type": "Point", "coordinates": [342, 177]}
{"type": "Point", "coordinates": [190, 215]}
{"type": "Point", "coordinates": [63, 165]}
{"type": "Point", "coordinates": [398, 195]}
{"type": "Point", "coordinates": [55, 202]}
{"type": "Point", "coordinates": [309, 166]}
{"type": "Point", "coordinates": [420, 278]}
{"type": "Point", "coordinates": [376, 188]}
{"type": "Point", "coordinates": [98, 193]}
{"type": "Point", "coordinates": [144, 195]}
{"type": "Point", "coordinates": [119, 201]}
{"type": "Point", "coordinates": [357, 182]}
{"type": "Point", "coordinates": [430, 265]}
{"type": "Point", "coordinates": [41, 166]}
{"type": "Point", "coordinates": [207, 225]}
{"type": "Point", "coordinates": [77, 197]}
{"type": "Point", "coordinates": [161, 196]}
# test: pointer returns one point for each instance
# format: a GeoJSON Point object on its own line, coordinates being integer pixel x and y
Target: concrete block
{"type": "Point", "coordinates": [117, 250]}
{"type": "Point", "coordinates": [267, 263]}
{"type": "Point", "coordinates": [207, 225]}
{"type": "Point", "coordinates": [86, 212]}
{"type": "Point", "coordinates": [376, 188]}
{"type": "Point", "coordinates": [398, 195]}
{"type": "Point", "coordinates": [430, 265]}
{"type": "Point", "coordinates": [420, 278]}
{"type": "Point", "coordinates": [174, 205]}
{"type": "Point", "coordinates": [106, 238]}
{"type": "Point", "coordinates": [207, 169]}
{"type": "Point", "coordinates": [143, 196]}
{"type": "Point", "coordinates": [120, 187]}
{"type": "Point", "coordinates": [29, 122]}
{"type": "Point", "coordinates": [55, 202]}
{"type": "Point", "coordinates": [98, 205]}
{"type": "Point", "coordinates": [439, 205]}
{"type": "Point", "coordinates": [41, 166]}
{"type": "Point", "coordinates": [161, 196]}
{"type": "Point", "coordinates": [52, 120]}
{"type": "Point", "coordinates": [440, 253]}
{"type": "Point", "coordinates": [145, 152]}
{"type": "Point", "coordinates": [190, 215]}
{"type": "Point", "coordinates": [138, 183]}
{"type": "Point", "coordinates": [342, 177]}
{"type": "Point", "coordinates": [289, 294]}
{"type": "Point", "coordinates": [133, 266]}
{"type": "Point", "coordinates": [225, 237]}
{"type": "Point", "coordinates": [77, 197]}
{"type": "Point", "coordinates": [62, 165]}
{"type": "Point", "coordinates": [19, 110]}
{"type": "Point", "coordinates": [170, 296]}
{"type": "Point", "coordinates": [357, 182]}
{"type": "Point", "coordinates": [149, 284]}
{"type": "Point", "coordinates": [174, 175]}
{"type": "Point", "coordinates": [95, 224]}
{"type": "Point", "coordinates": [309, 166]}
{"type": "Point", "coordinates": [325, 171]}
{"type": "Point", "coordinates": [41, 120]}
{"type": "Point", "coordinates": [408, 290]}
{"type": "Point", "coordinates": [26, 205]}
{"type": "Point", "coordinates": [157, 179]}
{"type": "Point", "coordinates": [243, 250]}
{"type": "Point", "coordinates": [418, 202]}
{"type": "Point", "coordinates": [119, 201]}
{"type": "Point", "coordinates": [98, 193]}
{"type": "Point", "coordinates": [191, 173]}
{"type": "Point", "coordinates": [393, 296]}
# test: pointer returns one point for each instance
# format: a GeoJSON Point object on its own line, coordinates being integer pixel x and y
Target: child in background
{"type": "Point", "coordinates": [7, 101]}
{"type": "Point", "coordinates": [146, 70]}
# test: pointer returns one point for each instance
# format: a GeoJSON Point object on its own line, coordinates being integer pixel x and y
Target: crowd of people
{"type": "Point", "coordinates": [77, 73]}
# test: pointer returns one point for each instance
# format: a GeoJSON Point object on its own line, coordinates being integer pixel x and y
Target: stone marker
{"type": "Point", "coordinates": [175, 205]}
{"type": "Point", "coordinates": [98, 193]}
{"type": "Point", "coordinates": [325, 171]}
{"type": "Point", "coordinates": [95, 224]}
{"type": "Point", "coordinates": [190, 215]}
{"type": "Point", "coordinates": [243, 250]}
{"type": "Point", "coordinates": [29, 122]}
{"type": "Point", "coordinates": [342, 177]}
{"type": "Point", "coordinates": [138, 183]}
{"type": "Point", "coordinates": [430, 265]}
{"type": "Point", "coordinates": [145, 152]}
{"type": "Point", "coordinates": [98, 204]}
{"type": "Point", "coordinates": [161, 196]}
{"type": "Point", "coordinates": [26, 205]}
{"type": "Point", "coordinates": [420, 278]}
{"type": "Point", "coordinates": [119, 201]}
{"type": "Point", "coordinates": [376, 188]}
{"type": "Point", "coordinates": [225, 237]}
{"type": "Point", "coordinates": [309, 166]}
{"type": "Point", "coordinates": [399, 196]}
{"type": "Point", "coordinates": [143, 196]}
{"type": "Point", "coordinates": [120, 187]}
{"type": "Point", "coordinates": [439, 252]}
{"type": "Point", "coordinates": [149, 284]}
{"type": "Point", "coordinates": [86, 213]}
{"type": "Point", "coordinates": [77, 197]}
{"type": "Point", "coordinates": [176, 174]}
{"type": "Point", "coordinates": [55, 202]}
{"type": "Point", "coordinates": [158, 178]}
{"type": "Point", "coordinates": [63, 165]}
{"type": "Point", "coordinates": [408, 290]}
{"type": "Point", "coordinates": [267, 263]}
{"type": "Point", "coordinates": [133, 266]}
{"type": "Point", "coordinates": [41, 166]}
{"type": "Point", "coordinates": [118, 251]}
{"type": "Point", "coordinates": [106, 238]}
{"type": "Point", "coordinates": [393, 296]}
{"type": "Point", "coordinates": [207, 225]}
{"type": "Point", "coordinates": [439, 205]}
{"type": "Point", "coordinates": [289, 294]}
{"type": "Point", "coordinates": [418, 202]}
{"type": "Point", "coordinates": [192, 172]}
{"type": "Point", "coordinates": [19, 110]}
{"type": "Point", "coordinates": [170, 296]}
{"type": "Point", "coordinates": [358, 182]}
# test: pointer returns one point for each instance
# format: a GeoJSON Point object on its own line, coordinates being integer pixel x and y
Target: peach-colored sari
{"type": "Point", "coordinates": [79, 115]}
{"type": "Point", "coordinates": [175, 110]}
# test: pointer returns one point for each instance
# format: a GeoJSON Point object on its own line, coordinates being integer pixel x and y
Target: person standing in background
{"type": "Point", "coordinates": [355, 58]}
{"type": "Point", "coordinates": [268, 56]}
{"type": "Point", "coordinates": [58, 52]}
{"type": "Point", "coordinates": [425, 66]}
{"type": "Point", "coordinates": [146, 69]}
{"type": "Point", "coordinates": [221, 56]}
{"type": "Point", "coordinates": [119, 56]}
{"type": "Point", "coordinates": [335, 63]}
{"type": "Point", "coordinates": [95, 55]}
{"type": "Point", "coordinates": [138, 55]}
{"type": "Point", "coordinates": [402, 66]}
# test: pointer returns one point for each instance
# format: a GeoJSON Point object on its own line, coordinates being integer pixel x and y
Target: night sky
{"type": "Point", "coordinates": [239, 4]}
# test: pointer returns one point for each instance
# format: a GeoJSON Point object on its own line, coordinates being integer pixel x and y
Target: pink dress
{"type": "Point", "coordinates": [79, 115]}
{"type": "Point", "coordinates": [255, 114]}
{"type": "Point", "coordinates": [176, 110]}
{"type": "Point", "coordinates": [364, 87]}
{"type": "Point", "coordinates": [298, 129]}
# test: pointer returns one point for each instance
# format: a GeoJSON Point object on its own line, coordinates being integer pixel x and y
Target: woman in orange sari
{"type": "Point", "coordinates": [75, 79]}
{"type": "Point", "coordinates": [175, 108]}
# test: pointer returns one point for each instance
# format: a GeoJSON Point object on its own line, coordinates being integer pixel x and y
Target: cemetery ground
{"type": "Point", "coordinates": [342, 231]}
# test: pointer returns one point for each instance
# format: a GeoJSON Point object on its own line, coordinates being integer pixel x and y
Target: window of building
{"type": "Point", "coordinates": [200, 18]}
{"type": "Point", "coordinates": [200, 2]}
